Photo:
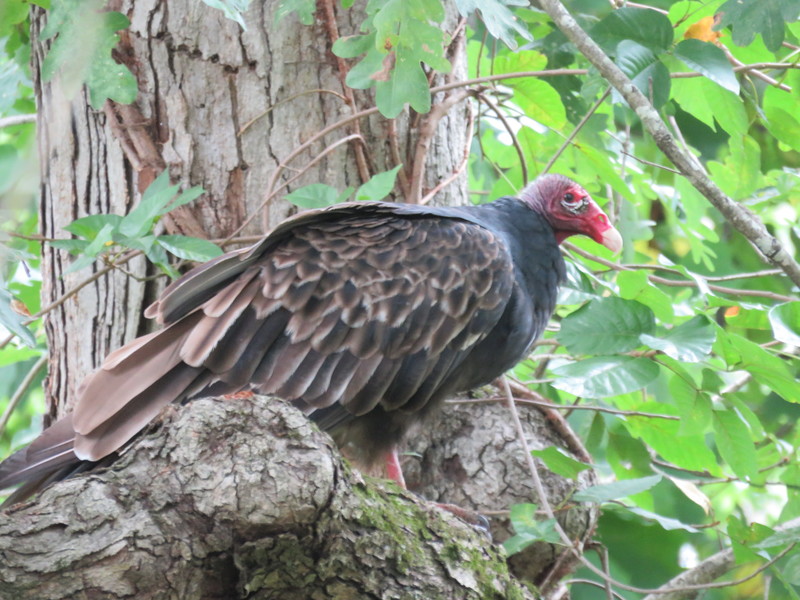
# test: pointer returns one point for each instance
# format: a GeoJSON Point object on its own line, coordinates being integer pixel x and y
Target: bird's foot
{"type": "Point", "coordinates": [477, 520]}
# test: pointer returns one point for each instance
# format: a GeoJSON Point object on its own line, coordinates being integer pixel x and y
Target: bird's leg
{"type": "Point", "coordinates": [395, 472]}
{"type": "Point", "coordinates": [393, 469]}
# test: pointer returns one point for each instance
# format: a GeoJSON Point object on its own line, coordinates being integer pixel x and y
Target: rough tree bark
{"type": "Point", "coordinates": [241, 499]}
{"type": "Point", "coordinates": [196, 511]}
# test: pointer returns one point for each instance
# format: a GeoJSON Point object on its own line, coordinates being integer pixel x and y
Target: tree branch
{"type": "Point", "coordinates": [240, 498]}
{"type": "Point", "coordinates": [743, 220]}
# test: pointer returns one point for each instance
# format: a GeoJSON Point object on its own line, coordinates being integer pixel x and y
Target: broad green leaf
{"type": "Point", "coordinates": [189, 248]}
{"type": "Point", "coordinates": [528, 529]}
{"type": "Point", "coordinates": [780, 538]}
{"type": "Point", "coordinates": [540, 101]}
{"type": "Point", "coordinates": [81, 51]}
{"type": "Point", "coordinates": [734, 443]}
{"type": "Point", "coordinates": [746, 538]}
{"type": "Point", "coordinates": [560, 463]}
{"type": "Point", "coordinates": [352, 46]}
{"type": "Point", "coordinates": [750, 17]}
{"type": "Point", "coordinates": [155, 199]}
{"type": "Point", "coordinates": [366, 72]}
{"type": "Point", "coordinates": [646, 27]}
{"type": "Point", "coordinates": [693, 404]}
{"type": "Point", "coordinates": [728, 108]}
{"type": "Point", "coordinates": [102, 240]}
{"type": "Point", "coordinates": [766, 368]}
{"type": "Point", "coordinates": [606, 326]}
{"type": "Point", "coordinates": [498, 18]}
{"type": "Point", "coordinates": [71, 246]}
{"type": "Point", "coordinates": [598, 494]}
{"type": "Point", "coordinates": [516, 62]}
{"type": "Point", "coordinates": [407, 84]}
{"type": "Point", "coordinates": [785, 321]}
{"type": "Point", "coordinates": [666, 523]}
{"type": "Point", "coordinates": [13, 321]}
{"type": "Point", "coordinates": [602, 377]}
{"type": "Point", "coordinates": [379, 186]}
{"type": "Point", "coordinates": [316, 195]}
{"type": "Point", "coordinates": [667, 438]}
{"type": "Point", "coordinates": [782, 120]}
{"type": "Point", "coordinates": [690, 342]}
{"type": "Point", "coordinates": [706, 58]}
{"type": "Point", "coordinates": [185, 197]}
{"type": "Point", "coordinates": [634, 285]}
{"type": "Point", "coordinates": [645, 70]}
{"type": "Point", "coordinates": [305, 10]}
{"type": "Point", "coordinates": [688, 92]}
{"type": "Point", "coordinates": [791, 570]}
{"type": "Point", "coordinates": [233, 9]}
{"type": "Point", "coordinates": [89, 227]}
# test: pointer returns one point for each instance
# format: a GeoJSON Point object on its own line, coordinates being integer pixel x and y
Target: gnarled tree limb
{"type": "Point", "coordinates": [240, 498]}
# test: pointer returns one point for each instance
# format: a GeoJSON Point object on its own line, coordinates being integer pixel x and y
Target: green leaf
{"type": "Point", "coordinates": [765, 368]}
{"type": "Point", "coordinates": [102, 240]}
{"type": "Point", "coordinates": [13, 321]}
{"type": "Point", "coordinates": [528, 529]}
{"type": "Point", "coordinates": [603, 377]}
{"type": "Point", "coordinates": [189, 248]}
{"type": "Point", "coordinates": [185, 197]}
{"type": "Point", "coordinates": [560, 462]}
{"type": "Point", "coordinates": [71, 246]}
{"type": "Point", "coordinates": [352, 46]}
{"type": "Point", "coordinates": [82, 49]}
{"type": "Point", "coordinates": [305, 10]}
{"type": "Point", "coordinates": [645, 70]}
{"type": "Point", "coordinates": [316, 195]}
{"type": "Point", "coordinates": [634, 285]}
{"type": "Point", "coordinates": [667, 523]}
{"type": "Point", "coordinates": [780, 538]}
{"type": "Point", "coordinates": [154, 203]}
{"type": "Point", "coordinates": [689, 342]}
{"type": "Point", "coordinates": [540, 101]}
{"type": "Point", "coordinates": [785, 321]}
{"type": "Point", "coordinates": [706, 58]}
{"type": "Point", "coordinates": [750, 17]}
{"type": "Point", "coordinates": [407, 84]}
{"type": "Point", "coordinates": [379, 186]}
{"type": "Point", "coordinates": [734, 443]}
{"type": "Point", "coordinates": [606, 326]}
{"type": "Point", "coordinates": [10, 354]}
{"type": "Point", "coordinates": [233, 9]}
{"type": "Point", "coordinates": [646, 27]}
{"type": "Point", "coordinates": [498, 18]}
{"type": "Point", "coordinates": [89, 227]}
{"type": "Point", "coordinates": [598, 494]}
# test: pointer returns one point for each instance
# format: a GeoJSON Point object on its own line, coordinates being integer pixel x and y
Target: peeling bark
{"type": "Point", "coordinates": [241, 499]}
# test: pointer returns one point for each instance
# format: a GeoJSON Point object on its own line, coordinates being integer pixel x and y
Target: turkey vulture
{"type": "Point", "coordinates": [363, 315]}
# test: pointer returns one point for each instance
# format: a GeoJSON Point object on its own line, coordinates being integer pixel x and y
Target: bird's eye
{"type": "Point", "coordinates": [573, 204]}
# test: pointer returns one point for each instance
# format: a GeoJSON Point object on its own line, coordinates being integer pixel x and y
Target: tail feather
{"type": "Point", "coordinates": [108, 390]}
{"type": "Point", "coordinates": [51, 451]}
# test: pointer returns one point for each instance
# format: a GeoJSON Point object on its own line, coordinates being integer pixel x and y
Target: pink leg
{"type": "Point", "coordinates": [393, 469]}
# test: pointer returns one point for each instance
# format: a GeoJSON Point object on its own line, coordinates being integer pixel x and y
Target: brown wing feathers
{"type": "Point", "coordinates": [355, 310]}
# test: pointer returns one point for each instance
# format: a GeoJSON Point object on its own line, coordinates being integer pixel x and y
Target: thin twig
{"type": "Point", "coordinates": [520, 153]}
{"type": "Point", "coordinates": [459, 169]}
{"type": "Point", "coordinates": [576, 130]}
{"type": "Point", "coordinates": [272, 107]}
{"type": "Point", "coordinates": [333, 35]}
{"type": "Point", "coordinates": [17, 120]}
{"type": "Point", "coordinates": [20, 391]}
{"type": "Point", "coordinates": [426, 133]}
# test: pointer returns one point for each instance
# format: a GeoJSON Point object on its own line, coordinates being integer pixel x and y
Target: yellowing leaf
{"type": "Point", "coordinates": [703, 30]}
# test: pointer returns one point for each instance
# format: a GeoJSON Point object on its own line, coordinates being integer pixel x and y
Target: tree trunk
{"type": "Point", "coordinates": [222, 108]}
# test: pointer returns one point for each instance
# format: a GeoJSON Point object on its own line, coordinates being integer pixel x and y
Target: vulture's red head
{"type": "Point", "coordinates": [571, 211]}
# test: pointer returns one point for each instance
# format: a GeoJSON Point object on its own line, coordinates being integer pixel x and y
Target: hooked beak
{"type": "Point", "coordinates": [611, 239]}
